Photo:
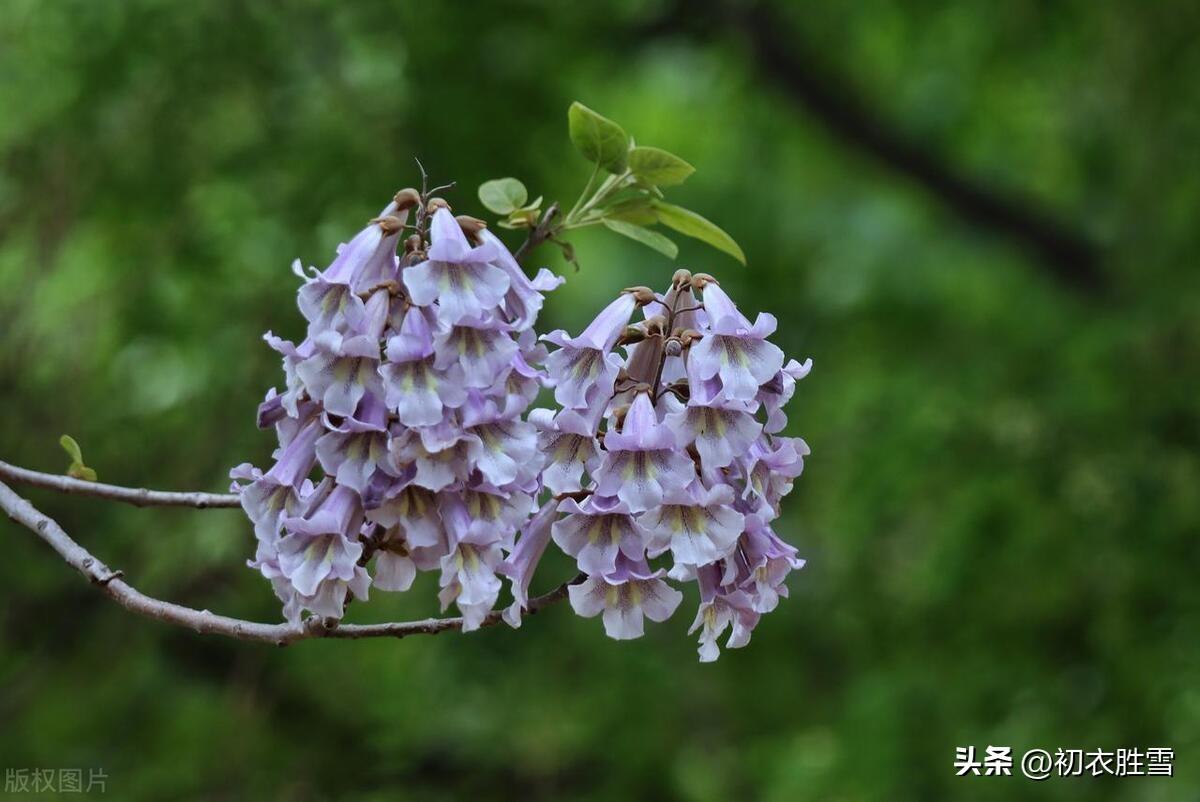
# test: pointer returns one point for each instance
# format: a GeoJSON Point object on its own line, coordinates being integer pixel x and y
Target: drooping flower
{"type": "Point", "coordinates": [732, 350]}
{"type": "Point", "coordinates": [583, 369]}
{"type": "Point", "coordinates": [642, 461]}
{"type": "Point", "coordinates": [698, 525]}
{"type": "Point", "coordinates": [457, 275]}
{"type": "Point", "coordinates": [720, 610]}
{"type": "Point", "coordinates": [722, 430]}
{"type": "Point", "coordinates": [522, 562]}
{"type": "Point", "coordinates": [594, 533]}
{"type": "Point", "coordinates": [624, 597]}
{"type": "Point", "coordinates": [568, 442]}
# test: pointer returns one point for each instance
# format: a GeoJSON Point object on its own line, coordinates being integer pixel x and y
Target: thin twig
{"type": "Point", "coordinates": [137, 496]}
{"type": "Point", "coordinates": [543, 231]}
{"type": "Point", "coordinates": [112, 584]}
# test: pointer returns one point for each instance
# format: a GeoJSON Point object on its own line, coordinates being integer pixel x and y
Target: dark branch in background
{"type": "Point", "coordinates": [785, 61]}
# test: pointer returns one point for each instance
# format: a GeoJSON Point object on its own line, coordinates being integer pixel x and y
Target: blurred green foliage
{"type": "Point", "coordinates": [1000, 512]}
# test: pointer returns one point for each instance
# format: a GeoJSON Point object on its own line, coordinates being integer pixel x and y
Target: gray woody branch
{"type": "Point", "coordinates": [112, 584]}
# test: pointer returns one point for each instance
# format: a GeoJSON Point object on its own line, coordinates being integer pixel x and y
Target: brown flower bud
{"type": "Point", "coordinates": [688, 337]}
{"type": "Point", "coordinates": [390, 224]}
{"type": "Point", "coordinates": [700, 280]}
{"type": "Point", "coordinates": [682, 277]}
{"type": "Point", "coordinates": [435, 204]}
{"type": "Point", "coordinates": [471, 226]}
{"type": "Point", "coordinates": [407, 198]}
{"type": "Point", "coordinates": [654, 325]}
{"type": "Point", "coordinates": [631, 335]}
{"type": "Point", "coordinates": [413, 244]}
{"type": "Point", "coordinates": [643, 295]}
{"type": "Point", "coordinates": [673, 347]}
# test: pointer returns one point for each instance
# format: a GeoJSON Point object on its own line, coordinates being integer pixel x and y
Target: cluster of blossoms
{"type": "Point", "coordinates": [410, 394]}
{"type": "Point", "coordinates": [671, 451]}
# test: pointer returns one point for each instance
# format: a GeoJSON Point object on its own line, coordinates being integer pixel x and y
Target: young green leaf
{"type": "Point", "coordinates": [71, 447]}
{"type": "Point", "coordinates": [634, 210]}
{"type": "Point", "coordinates": [658, 167]}
{"type": "Point", "coordinates": [503, 195]}
{"type": "Point", "coordinates": [645, 236]}
{"type": "Point", "coordinates": [598, 138]}
{"type": "Point", "coordinates": [690, 224]}
{"type": "Point", "coordinates": [76, 469]}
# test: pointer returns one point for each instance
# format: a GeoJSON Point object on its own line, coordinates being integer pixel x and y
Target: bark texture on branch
{"type": "Point", "coordinates": [112, 584]}
{"type": "Point", "coordinates": [137, 496]}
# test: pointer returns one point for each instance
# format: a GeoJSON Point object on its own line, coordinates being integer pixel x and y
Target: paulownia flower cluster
{"type": "Point", "coordinates": [406, 444]}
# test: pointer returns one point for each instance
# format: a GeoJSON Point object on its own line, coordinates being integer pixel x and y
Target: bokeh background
{"type": "Point", "coordinates": [979, 220]}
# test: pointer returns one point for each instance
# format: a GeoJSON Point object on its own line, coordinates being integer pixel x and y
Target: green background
{"type": "Point", "coordinates": [1000, 512]}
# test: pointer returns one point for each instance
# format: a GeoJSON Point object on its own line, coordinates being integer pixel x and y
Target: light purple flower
{"type": "Point", "coordinates": [779, 390]}
{"type": "Point", "coordinates": [595, 534]}
{"type": "Point", "coordinates": [522, 562]}
{"type": "Point", "coordinates": [482, 348]}
{"type": "Point", "coordinates": [363, 263]}
{"type": "Point", "coordinates": [418, 392]}
{"type": "Point", "coordinates": [272, 494]}
{"type": "Point", "coordinates": [722, 430]}
{"type": "Point", "coordinates": [524, 299]}
{"type": "Point", "coordinates": [469, 580]}
{"type": "Point", "coordinates": [624, 597]}
{"type": "Point", "coordinates": [456, 275]}
{"type": "Point", "coordinates": [769, 470]}
{"type": "Point", "coordinates": [718, 611]}
{"type": "Point", "coordinates": [414, 509]}
{"type": "Point", "coordinates": [353, 451]}
{"type": "Point", "coordinates": [698, 525]}
{"type": "Point", "coordinates": [760, 564]}
{"type": "Point", "coordinates": [733, 350]}
{"type": "Point", "coordinates": [394, 568]}
{"type": "Point", "coordinates": [436, 467]}
{"type": "Point", "coordinates": [568, 442]}
{"type": "Point", "coordinates": [642, 461]}
{"type": "Point", "coordinates": [322, 545]}
{"type": "Point", "coordinates": [501, 449]}
{"type": "Point", "coordinates": [583, 369]}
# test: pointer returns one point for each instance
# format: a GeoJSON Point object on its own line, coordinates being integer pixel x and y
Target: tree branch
{"type": "Point", "coordinates": [112, 584]}
{"type": "Point", "coordinates": [540, 233]}
{"type": "Point", "coordinates": [137, 496]}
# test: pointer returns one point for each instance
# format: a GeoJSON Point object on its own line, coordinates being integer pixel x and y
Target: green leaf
{"type": "Point", "coordinates": [71, 447]}
{"type": "Point", "coordinates": [659, 167]}
{"type": "Point", "coordinates": [76, 469]}
{"type": "Point", "coordinates": [645, 236]}
{"type": "Point", "coordinates": [690, 224]}
{"type": "Point", "coordinates": [638, 211]}
{"type": "Point", "coordinates": [598, 138]}
{"type": "Point", "coordinates": [503, 195]}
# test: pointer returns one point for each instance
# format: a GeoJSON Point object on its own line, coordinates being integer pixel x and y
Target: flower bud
{"type": "Point", "coordinates": [702, 280]}
{"type": "Point", "coordinates": [390, 224]}
{"type": "Point", "coordinates": [407, 198]}
{"type": "Point", "coordinates": [471, 226]}
{"type": "Point", "coordinates": [643, 295]}
{"type": "Point", "coordinates": [435, 204]}
{"type": "Point", "coordinates": [673, 347]}
{"type": "Point", "coordinates": [682, 277]}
